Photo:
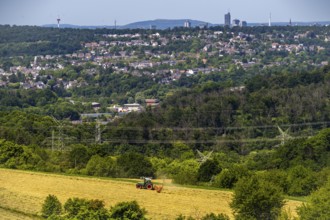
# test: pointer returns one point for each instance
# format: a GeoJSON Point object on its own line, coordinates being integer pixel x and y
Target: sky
{"type": "Point", "coordinates": [105, 12]}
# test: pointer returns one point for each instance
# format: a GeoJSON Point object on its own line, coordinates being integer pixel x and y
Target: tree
{"type": "Point", "coordinates": [318, 205]}
{"type": "Point", "coordinates": [127, 210]}
{"type": "Point", "coordinates": [207, 170]}
{"type": "Point", "coordinates": [187, 172]}
{"type": "Point", "coordinates": [255, 198]}
{"type": "Point", "coordinates": [79, 156]}
{"type": "Point", "coordinates": [228, 177]}
{"type": "Point", "coordinates": [99, 166]}
{"type": "Point", "coordinates": [301, 181]}
{"type": "Point", "coordinates": [134, 165]}
{"type": "Point", "coordinates": [51, 206]}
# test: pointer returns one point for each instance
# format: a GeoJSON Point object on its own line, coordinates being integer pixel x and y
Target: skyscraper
{"type": "Point", "coordinates": [227, 19]}
{"type": "Point", "coordinates": [243, 24]}
{"type": "Point", "coordinates": [236, 22]}
{"type": "Point", "coordinates": [187, 24]}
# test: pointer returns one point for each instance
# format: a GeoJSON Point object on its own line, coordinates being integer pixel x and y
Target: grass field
{"type": "Point", "coordinates": [25, 192]}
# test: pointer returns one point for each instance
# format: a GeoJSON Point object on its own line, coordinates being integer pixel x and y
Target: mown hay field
{"type": "Point", "coordinates": [25, 192]}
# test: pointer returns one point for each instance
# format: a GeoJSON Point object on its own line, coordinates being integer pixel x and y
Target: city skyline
{"type": "Point", "coordinates": [105, 12]}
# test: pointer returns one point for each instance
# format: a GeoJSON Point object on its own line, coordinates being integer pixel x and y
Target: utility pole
{"type": "Point", "coordinates": [97, 132]}
{"type": "Point", "coordinates": [60, 133]}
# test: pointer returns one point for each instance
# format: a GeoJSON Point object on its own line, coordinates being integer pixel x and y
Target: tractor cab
{"type": "Point", "coordinates": [147, 184]}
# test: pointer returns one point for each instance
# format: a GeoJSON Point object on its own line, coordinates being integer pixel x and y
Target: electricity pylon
{"type": "Point", "coordinates": [203, 158]}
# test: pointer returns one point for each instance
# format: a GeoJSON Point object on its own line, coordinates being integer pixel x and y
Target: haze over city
{"type": "Point", "coordinates": [105, 12]}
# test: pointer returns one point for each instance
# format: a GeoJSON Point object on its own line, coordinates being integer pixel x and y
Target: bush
{"type": "Point", "coordinates": [318, 206]}
{"type": "Point", "coordinates": [212, 216]}
{"type": "Point", "coordinates": [77, 208]}
{"type": "Point", "coordinates": [127, 210]}
{"type": "Point", "coordinates": [51, 206]}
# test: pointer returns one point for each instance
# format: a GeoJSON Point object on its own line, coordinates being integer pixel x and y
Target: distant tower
{"type": "Point", "coordinates": [115, 24]}
{"type": "Point", "coordinates": [187, 24]}
{"type": "Point", "coordinates": [290, 23]}
{"type": "Point", "coordinates": [227, 19]}
{"type": "Point", "coordinates": [270, 20]}
{"type": "Point", "coordinates": [58, 21]}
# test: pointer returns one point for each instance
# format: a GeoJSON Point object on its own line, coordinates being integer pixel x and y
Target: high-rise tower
{"type": "Point", "coordinates": [270, 20]}
{"type": "Point", "coordinates": [187, 24]}
{"type": "Point", "coordinates": [227, 19]}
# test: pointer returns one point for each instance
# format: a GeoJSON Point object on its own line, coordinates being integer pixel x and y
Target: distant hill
{"type": "Point", "coordinates": [164, 24]}
{"type": "Point", "coordinates": [171, 23]}
{"type": "Point", "coordinates": [158, 23]}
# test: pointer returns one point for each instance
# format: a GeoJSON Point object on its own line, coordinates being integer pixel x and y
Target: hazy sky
{"type": "Point", "coordinates": [104, 12]}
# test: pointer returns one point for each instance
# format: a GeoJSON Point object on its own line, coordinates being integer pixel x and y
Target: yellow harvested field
{"type": "Point", "coordinates": [25, 191]}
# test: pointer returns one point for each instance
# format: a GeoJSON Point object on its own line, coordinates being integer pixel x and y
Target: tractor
{"type": "Point", "coordinates": [147, 184]}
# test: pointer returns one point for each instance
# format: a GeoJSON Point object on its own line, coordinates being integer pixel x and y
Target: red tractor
{"type": "Point", "coordinates": [147, 184]}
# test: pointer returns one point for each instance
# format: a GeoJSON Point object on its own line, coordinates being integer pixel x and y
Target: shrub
{"type": "Point", "coordinates": [318, 205]}
{"type": "Point", "coordinates": [212, 216]}
{"type": "Point", "coordinates": [127, 210]}
{"type": "Point", "coordinates": [51, 206]}
{"type": "Point", "coordinates": [77, 208]}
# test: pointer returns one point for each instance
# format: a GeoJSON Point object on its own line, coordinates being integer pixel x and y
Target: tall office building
{"type": "Point", "coordinates": [187, 24]}
{"type": "Point", "coordinates": [227, 19]}
{"type": "Point", "coordinates": [243, 24]}
{"type": "Point", "coordinates": [236, 22]}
